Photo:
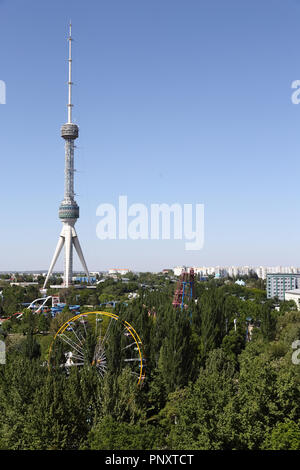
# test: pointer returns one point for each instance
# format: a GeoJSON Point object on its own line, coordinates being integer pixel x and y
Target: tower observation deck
{"type": "Point", "coordinates": [68, 209]}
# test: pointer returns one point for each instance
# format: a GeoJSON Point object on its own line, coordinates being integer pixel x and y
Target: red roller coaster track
{"type": "Point", "coordinates": [184, 288]}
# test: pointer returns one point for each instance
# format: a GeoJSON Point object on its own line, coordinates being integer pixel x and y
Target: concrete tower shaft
{"type": "Point", "coordinates": [69, 208]}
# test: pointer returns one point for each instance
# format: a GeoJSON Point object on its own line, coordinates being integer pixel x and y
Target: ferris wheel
{"type": "Point", "coordinates": [100, 339]}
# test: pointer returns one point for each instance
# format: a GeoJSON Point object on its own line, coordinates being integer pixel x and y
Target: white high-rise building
{"type": "Point", "coordinates": [261, 272]}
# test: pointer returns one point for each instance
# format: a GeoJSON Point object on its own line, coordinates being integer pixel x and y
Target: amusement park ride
{"type": "Point", "coordinates": [184, 289]}
{"type": "Point", "coordinates": [86, 339]}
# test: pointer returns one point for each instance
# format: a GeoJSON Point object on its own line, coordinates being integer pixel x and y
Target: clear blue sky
{"type": "Point", "coordinates": [184, 101]}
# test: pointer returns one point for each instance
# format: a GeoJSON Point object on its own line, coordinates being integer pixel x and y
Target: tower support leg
{"type": "Point", "coordinates": [58, 249]}
{"type": "Point", "coordinates": [68, 256]}
{"type": "Point", "coordinates": [81, 257]}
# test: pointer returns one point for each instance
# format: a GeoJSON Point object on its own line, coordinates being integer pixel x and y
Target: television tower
{"type": "Point", "coordinates": [68, 209]}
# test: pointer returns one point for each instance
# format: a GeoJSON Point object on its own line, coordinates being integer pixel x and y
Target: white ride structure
{"type": "Point", "coordinates": [43, 301]}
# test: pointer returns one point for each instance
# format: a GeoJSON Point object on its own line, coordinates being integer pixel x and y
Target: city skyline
{"type": "Point", "coordinates": [222, 270]}
{"type": "Point", "coordinates": [160, 88]}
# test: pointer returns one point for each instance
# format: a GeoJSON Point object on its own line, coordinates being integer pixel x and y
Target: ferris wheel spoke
{"type": "Point", "coordinates": [84, 326]}
{"type": "Point", "coordinates": [98, 355]}
{"type": "Point", "coordinates": [71, 343]}
{"type": "Point", "coordinates": [99, 342]}
{"type": "Point", "coordinates": [80, 333]}
{"type": "Point", "coordinates": [106, 336]}
{"type": "Point", "coordinates": [134, 359]}
{"type": "Point", "coordinates": [99, 347]}
{"type": "Point", "coordinates": [101, 372]}
{"type": "Point", "coordinates": [101, 366]}
{"type": "Point", "coordinates": [98, 320]}
{"type": "Point", "coordinates": [82, 322]}
{"type": "Point", "coordinates": [75, 364]}
{"type": "Point", "coordinates": [73, 331]}
{"type": "Point", "coordinates": [100, 331]}
{"type": "Point", "coordinates": [103, 359]}
{"type": "Point", "coordinates": [129, 346]}
{"type": "Point", "coordinates": [136, 374]}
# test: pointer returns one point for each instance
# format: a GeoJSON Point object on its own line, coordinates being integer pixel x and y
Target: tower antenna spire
{"type": "Point", "coordinates": [70, 83]}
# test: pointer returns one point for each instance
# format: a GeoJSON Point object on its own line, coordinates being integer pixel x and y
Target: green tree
{"type": "Point", "coordinates": [268, 323]}
{"type": "Point", "coordinates": [284, 436]}
{"type": "Point", "coordinates": [233, 344]}
{"type": "Point", "coordinates": [206, 417]}
{"type": "Point", "coordinates": [177, 354]}
{"type": "Point", "coordinates": [109, 434]}
{"type": "Point", "coordinates": [32, 349]}
{"type": "Point", "coordinates": [43, 323]}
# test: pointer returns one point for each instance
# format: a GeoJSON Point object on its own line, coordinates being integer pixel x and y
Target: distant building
{"type": "Point", "coordinates": [293, 295]}
{"type": "Point", "coordinates": [278, 284]}
{"type": "Point", "coordinates": [261, 272]}
{"type": "Point", "coordinates": [84, 279]}
{"type": "Point", "coordinates": [24, 284]}
{"type": "Point", "coordinates": [121, 271]}
{"type": "Point", "coordinates": [233, 271]}
{"type": "Point", "coordinates": [178, 270]}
